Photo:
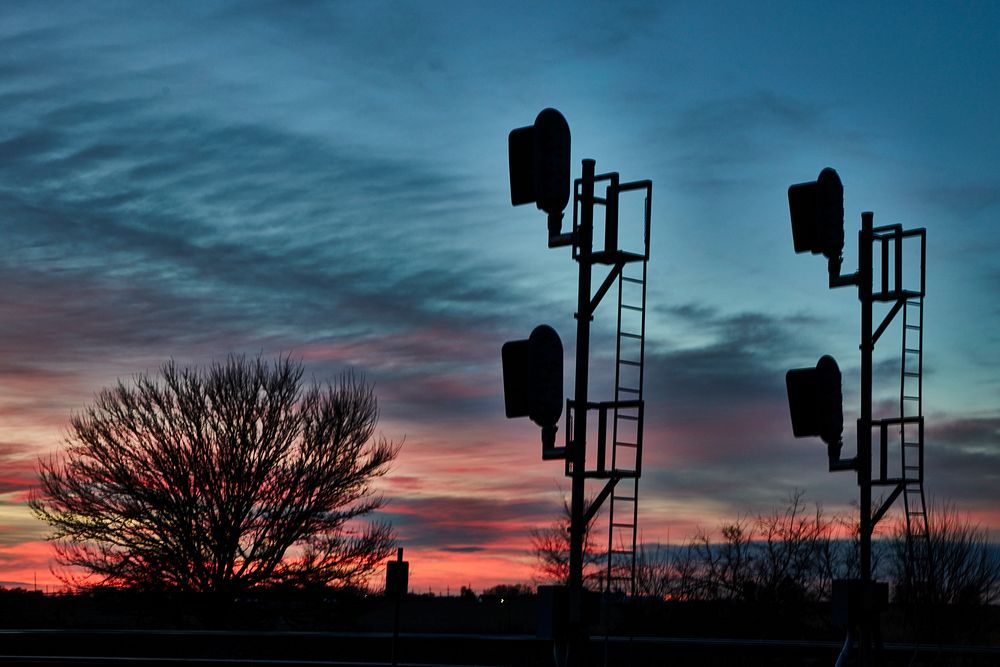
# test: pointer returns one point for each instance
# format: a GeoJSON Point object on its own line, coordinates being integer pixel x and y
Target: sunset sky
{"type": "Point", "coordinates": [329, 180]}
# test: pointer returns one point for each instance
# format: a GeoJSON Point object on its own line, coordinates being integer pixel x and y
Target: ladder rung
{"type": "Point", "coordinates": [622, 552]}
{"type": "Point", "coordinates": [914, 350]}
{"type": "Point", "coordinates": [631, 499]}
{"type": "Point", "coordinates": [630, 445]}
{"type": "Point", "coordinates": [911, 467]}
{"type": "Point", "coordinates": [626, 334]}
{"type": "Point", "coordinates": [623, 525]}
{"type": "Point", "coordinates": [917, 303]}
{"type": "Point", "coordinates": [913, 327]}
{"type": "Point", "coordinates": [911, 398]}
{"type": "Point", "coordinates": [637, 281]}
{"type": "Point", "coordinates": [911, 374]}
{"type": "Point", "coordinates": [628, 362]}
{"type": "Point", "coordinates": [911, 444]}
{"type": "Point", "coordinates": [635, 308]}
{"type": "Point", "coordinates": [629, 390]}
{"type": "Point", "coordinates": [631, 418]}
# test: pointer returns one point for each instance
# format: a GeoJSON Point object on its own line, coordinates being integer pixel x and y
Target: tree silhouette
{"type": "Point", "coordinates": [963, 567]}
{"type": "Point", "coordinates": [219, 479]}
{"type": "Point", "coordinates": [551, 549]}
{"type": "Point", "coordinates": [787, 556]}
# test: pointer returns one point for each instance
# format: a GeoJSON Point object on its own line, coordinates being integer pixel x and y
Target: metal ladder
{"type": "Point", "coordinates": [912, 438]}
{"type": "Point", "coordinates": [626, 450]}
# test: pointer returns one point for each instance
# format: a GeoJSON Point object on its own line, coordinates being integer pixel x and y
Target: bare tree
{"type": "Point", "coordinates": [725, 568]}
{"type": "Point", "coordinates": [957, 565]}
{"type": "Point", "coordinates": [658, 573]}
{"type": "Point", "coordinates": [686, 582]}
{"type": "Point", "coordinates": [787, 556]}
{"type": "Point", "coordinates": [551, 548]}
{"type": "Point", "coordinates": [219, 479]}
{"type": "Point", "coordinates": [794, 556]}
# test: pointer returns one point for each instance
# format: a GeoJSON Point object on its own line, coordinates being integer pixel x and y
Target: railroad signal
{"type": "Point", "coordinates": [540, 172]}
{"type": "Point", "coordinates": [817, 213]}
{"type": "Point", "coordinates": [815, 396]}
{"type": "Point", "coordinates": [539, 158]}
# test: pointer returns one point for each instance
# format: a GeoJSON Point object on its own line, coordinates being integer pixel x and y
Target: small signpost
{"type": "Point", "coordinates": [397, 582]}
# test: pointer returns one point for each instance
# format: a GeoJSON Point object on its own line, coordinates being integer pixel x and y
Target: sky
{"type": "Point", "coordinates": [330, 180]}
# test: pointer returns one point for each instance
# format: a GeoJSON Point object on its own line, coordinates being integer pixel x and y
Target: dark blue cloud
{"type": "Point", "coordinates": [464, 523]}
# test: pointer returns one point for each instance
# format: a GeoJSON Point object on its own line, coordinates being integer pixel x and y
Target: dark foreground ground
{"type": "Point", "coordinates": [176, 647]}
{"type": "Point", "coordinates": [321, 627]}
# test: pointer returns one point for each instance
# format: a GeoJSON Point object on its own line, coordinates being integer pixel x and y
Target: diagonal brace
{"type": "Point", "coordinates": [888, 320]}
{"type": "Point", "coordinates": [606, 285]}
{"type": "Point", "coordinates": [888, 503]}
{"type": "Point", "coordinates": [601, 497]}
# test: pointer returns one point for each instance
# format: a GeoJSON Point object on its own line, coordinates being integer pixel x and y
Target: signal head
{"type": "Point", "coordinates": [533, 377]}
{"type": "Point", "coordinates": [817, 213]}
{"type": "Point", "coordinates": [815, 401]}
{"type": "Point", "coordinates": [539, 161]}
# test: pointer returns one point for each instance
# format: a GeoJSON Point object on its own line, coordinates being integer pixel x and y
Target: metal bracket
{"type": "Point", "coordinates": [838, 280]}
{"type": "Point", "coordinates": [599, 500]}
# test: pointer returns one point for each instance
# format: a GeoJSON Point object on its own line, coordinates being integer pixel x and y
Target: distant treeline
{"type": "Point", "coordinates": [793, 554]}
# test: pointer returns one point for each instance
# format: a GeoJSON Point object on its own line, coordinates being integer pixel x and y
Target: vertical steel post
{"type": "Point", "coordinates": [865, 436]}
{"type": "Point", "coordinates": [578, 455]}
{"type": "Point", "coordinates": [398, 595]}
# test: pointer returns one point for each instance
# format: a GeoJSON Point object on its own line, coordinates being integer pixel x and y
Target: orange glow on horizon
{"type": "Point", "coordinates": [28, 565]}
